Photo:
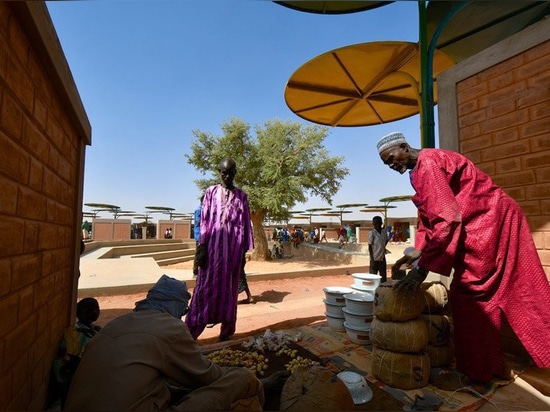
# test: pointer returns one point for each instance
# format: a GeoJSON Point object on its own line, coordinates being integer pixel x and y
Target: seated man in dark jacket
{"type": "Point", "coordinates": [147, 360]}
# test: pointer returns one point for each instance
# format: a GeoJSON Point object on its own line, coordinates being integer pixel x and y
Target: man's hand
{"type": "Point", "coordinates": [202, 256]}
{"type": "Point", "coordinates": [396, 268]}
{"type": "Point", "coordinates": [415, 254]}
{"type": "Point", "coordinates": [412, 281]}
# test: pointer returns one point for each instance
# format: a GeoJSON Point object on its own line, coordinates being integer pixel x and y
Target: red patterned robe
{"type": "Point", "coordinates": [469, 224]}
{"type": "Point", "coordinates": [226, 230]}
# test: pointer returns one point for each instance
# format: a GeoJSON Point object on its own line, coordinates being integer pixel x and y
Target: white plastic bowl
{"type": "Point", "coordinates": [357, 386]}
{"type": "Point", "coordinates": [334, 323]}
{"type": "Point", "coordinates": [365, 281]}
{"type": "Point", "coordinates": [333, 309]}
{"type": "Point", "coordinates": [361, 336]}
{"type": "Point", "coordinates": [335, 294]}
{"type": "Point", "coordinates": [357, 319]}
{"type": "Point", "coordinates": [362, 303]}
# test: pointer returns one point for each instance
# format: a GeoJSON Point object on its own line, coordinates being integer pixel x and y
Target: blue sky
{"type": "Point", "coordinates": [150, 72]}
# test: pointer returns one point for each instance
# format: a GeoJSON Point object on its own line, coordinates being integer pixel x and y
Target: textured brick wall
{"type": "Point", "coordinates": [180, 230]}
{"type": "Point", "coordinates": [121, 229]}
{"type": "Point", "coordinates": [504, 127]}
{"type": "Point", "coordinates": [111, 229]}
{"type": "Point", "coordinates": [40, 157]}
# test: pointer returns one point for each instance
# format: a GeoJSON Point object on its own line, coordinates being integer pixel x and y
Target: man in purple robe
{"type": "Point", "coordinates": [469, 224]}
{"type": "Point", "coordinates": [225, 237]}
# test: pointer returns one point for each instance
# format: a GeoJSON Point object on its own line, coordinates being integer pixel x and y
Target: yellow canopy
{"type": "Point", "coordinates": [360, 85]}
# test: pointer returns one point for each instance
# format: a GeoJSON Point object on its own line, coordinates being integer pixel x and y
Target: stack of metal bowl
{"type": "Point", "coordinates": [334, 302]}
{"type": "Point", "coordinates": [358, 314]}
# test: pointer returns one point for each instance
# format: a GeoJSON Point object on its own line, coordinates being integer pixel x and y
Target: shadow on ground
{"type": "Point", "coordinates": [284, 325]}
{"type": "Point", "coordinates": [271, 296]}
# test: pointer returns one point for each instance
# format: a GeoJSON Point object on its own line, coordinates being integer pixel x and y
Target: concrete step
{"type": "Point", "coordinates": [173, 261]}
{"type": "Point", "coordinates": [167, 254]}
{"type": "Point", "coordinates": [133, 250]}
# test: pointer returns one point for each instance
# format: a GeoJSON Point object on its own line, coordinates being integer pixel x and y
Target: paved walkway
{"type": "Point", "coordinates": [125, 275]}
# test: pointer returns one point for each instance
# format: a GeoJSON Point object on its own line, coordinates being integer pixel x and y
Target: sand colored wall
{"type": "Point", "coordinates": [43, 133]}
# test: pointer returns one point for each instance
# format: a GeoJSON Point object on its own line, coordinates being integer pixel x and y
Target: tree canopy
{"type": "Point", "coordinates": [283, 164]}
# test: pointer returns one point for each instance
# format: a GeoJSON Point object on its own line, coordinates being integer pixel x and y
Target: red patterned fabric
{"type": "Point", "coordinates": [226, 230]}
{"type": "Point", "coordinates": [469, 224]}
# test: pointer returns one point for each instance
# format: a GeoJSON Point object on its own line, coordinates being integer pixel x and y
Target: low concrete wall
{"type": "Point", "coordinates": [96, 244]}
{"type": "Point", "coordinates": [330, 253]}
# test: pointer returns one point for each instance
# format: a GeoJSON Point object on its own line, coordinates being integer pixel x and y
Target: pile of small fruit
{"type": "Point", "coordinates": [254, 356]}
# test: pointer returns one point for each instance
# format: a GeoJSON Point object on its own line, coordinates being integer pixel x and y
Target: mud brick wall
{"type": "Point", "coordinates": [41, 170]}
{"type": "Point", "coordinates": [504, 117]}
{"type": "Point", "coordinates": [494, 108]}
{"type": "Point", "coordinates": [111, 229]}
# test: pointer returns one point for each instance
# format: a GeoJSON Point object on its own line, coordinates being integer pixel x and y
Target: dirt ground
{"type": "Point", "coordinates": [277, 304]}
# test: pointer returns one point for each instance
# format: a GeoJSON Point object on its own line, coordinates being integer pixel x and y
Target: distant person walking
{"type": "Point", "coordinates": [197, 235]}
{"type": "Point", "coordinates": [85, 230]}
{"type": "Point", "coordinates": [342, 237]}
{"type": "Point", "coordinates": [225, 237]}
{"type": "Point", "coordinates": [197, 221]}
{"type": "Point", "coordinates": [378, 239]}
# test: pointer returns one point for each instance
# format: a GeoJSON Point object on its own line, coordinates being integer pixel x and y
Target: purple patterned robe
{"type": "Point", "coordinates": [469, 224]}
{"type": "Point", "coordinates": [226, 230]}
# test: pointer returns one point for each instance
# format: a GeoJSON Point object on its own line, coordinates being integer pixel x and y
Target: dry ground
{"type": "Point", "coordinates": [278, 304]}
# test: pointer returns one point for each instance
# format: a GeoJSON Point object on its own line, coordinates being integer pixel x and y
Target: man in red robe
{"type": "Point", "coordinates": [469, 224]}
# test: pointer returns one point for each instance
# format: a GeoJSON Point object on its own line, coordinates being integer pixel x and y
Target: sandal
{"type": "Point", "coordinates": [428, 402]}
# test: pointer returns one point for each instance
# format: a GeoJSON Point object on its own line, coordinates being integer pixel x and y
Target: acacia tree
{"type": "Point", "coordinates": [278, 168]}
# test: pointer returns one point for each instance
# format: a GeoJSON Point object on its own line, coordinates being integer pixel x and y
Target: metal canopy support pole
{"type": "Point", "coordinates": [426, 69]}
{"type": "Point", "coordinates": [427, 132]}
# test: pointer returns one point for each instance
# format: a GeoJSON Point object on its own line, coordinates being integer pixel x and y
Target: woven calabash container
{"type": "Point", "coordinates": [398, 307]}
{"type": "Point", "coordinates": [401, 370]}
{"type": "Point", "coordinates": [439, 328]}
{"type": "Point", "coordinates": [441, 355]}
{"type": "Point", "coordinates": [436, 297]}
{"type": "Point", "coordinates": [404, 337]}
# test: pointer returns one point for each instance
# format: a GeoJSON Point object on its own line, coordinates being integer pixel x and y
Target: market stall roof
{"type": "Point", "coordinates": [317, 209]}
{"type": "Point", "coordinates": [160, 208]}
{"type": "Point", "coordinates": [182, 215]}
{"type": "Point", "coordinates": [377, 209]}
{"type": "Point", "coordinates": [459, 28]}
{"type": "Point", "coordinates": [360, 85]}
{"type": "Point", "coordinates": [348, 205]}
{"type": "Point", "coordinates": [466, 27]}
{"type": "Point", "coordinates": [384, 208]}
{"type": "Point", "coordinates": [105, 207]}
{"type": "Point", "coordinates": [400, 198]}
{"type": "Point", "coordinates": [478, 25]}
{"type": "Point", "coordinates": [332, 7]}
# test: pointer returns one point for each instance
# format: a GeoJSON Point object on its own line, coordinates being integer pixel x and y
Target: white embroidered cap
{"type": "Point", "coordinates": [390, 140]}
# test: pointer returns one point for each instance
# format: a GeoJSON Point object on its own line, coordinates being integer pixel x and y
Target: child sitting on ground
{"type": "Point", "coordinates": [75, 339]}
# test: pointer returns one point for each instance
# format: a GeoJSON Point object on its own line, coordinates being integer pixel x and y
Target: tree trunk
{"type": "Point", "coordinates": [261, 248]}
